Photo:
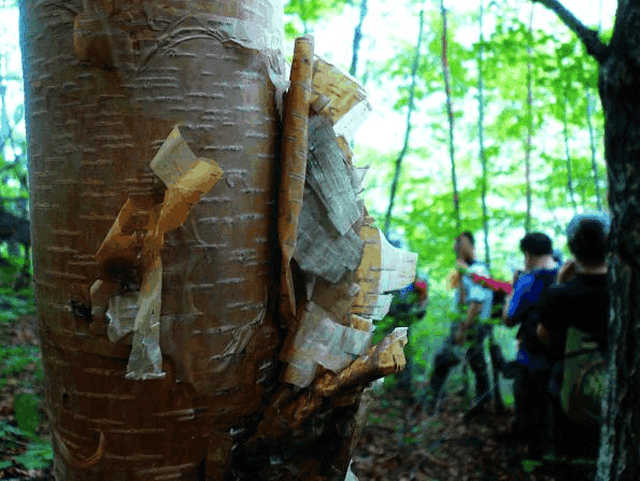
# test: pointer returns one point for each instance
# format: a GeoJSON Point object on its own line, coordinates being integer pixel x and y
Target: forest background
{"type": "Point", "coordinates": [498, 133]}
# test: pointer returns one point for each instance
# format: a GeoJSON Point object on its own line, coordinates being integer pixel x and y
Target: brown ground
{"type": "Point", "coordinates": [402, 443]}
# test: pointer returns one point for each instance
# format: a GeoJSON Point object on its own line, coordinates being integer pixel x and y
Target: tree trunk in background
{"type": "Point", "coordinates": [594, 149]}
{"type": "Point", "coordinates": [619, 87]}
{"type": "Point", "coordinates": [447, 89]}
{"type": "Point", "coordinates": [483, 159]}
{"type": "Point", "coordinates": [407, 132]}
{"type": "Point", "coordinates": [497, 397]}
{"type": "Point", "coordinates": [572, 197]}
{"type": "Point", "coordinates": [357, 37]}
{"type": "Point", "coordinates": [105, 84]}
{"type": "Point", "coordinates": [527, 155]}
{"type": "Point", "coordinates": [592, 132]}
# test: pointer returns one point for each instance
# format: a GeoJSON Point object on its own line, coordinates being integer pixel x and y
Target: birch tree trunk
{"type": "Point", "coordinates": [567, 151]}
{"type": "Point", "coordinates": [106, 84]}
{"type": "Point", "coordinates": [447, 89]}
{"type": "Point", "coordinates": [528, 147]}
{"type": "Point", "coordinates": [593, 147]}
{"type": "Point", "coordinates": [481, 152]}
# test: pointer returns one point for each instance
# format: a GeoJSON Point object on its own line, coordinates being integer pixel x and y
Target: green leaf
{"type": "Point", "coordinates": [5, 464]}
{"type": "Point", "coordinates": [38, 456]}
{"type": "Point", "coordinates": [27, 413]}
{"type": "Point", "coordinates": [529, 465]}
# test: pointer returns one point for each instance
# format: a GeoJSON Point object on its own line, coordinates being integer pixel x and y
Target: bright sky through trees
{"type": "Point", "coordinates": [385, 20]}
{"type": "Point", "coordinates": [389, 30]}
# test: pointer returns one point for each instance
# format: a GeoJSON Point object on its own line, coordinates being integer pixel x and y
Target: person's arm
{"type": "Point", "coordinates": [505, 312]}
{"type": "Point", "coordinates": [515, 305]}
{"type": "Point", "coordinates": [507, 303]}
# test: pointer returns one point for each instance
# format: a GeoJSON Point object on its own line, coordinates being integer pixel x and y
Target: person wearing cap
{"type": "Point", "coordinates": [579, 299]}
{"type": "Point", "coordinates": [533, 361]}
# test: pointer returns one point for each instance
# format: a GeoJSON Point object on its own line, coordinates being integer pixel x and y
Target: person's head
{"type": "Point", "coordinates": [535, 246]}
{"type": "Point", "coordinates": [587, 235]}
{"type": "Point", "coordinates": [465, 246]}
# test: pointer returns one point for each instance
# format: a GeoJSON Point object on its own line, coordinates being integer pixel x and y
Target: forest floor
{"type": "Point", "coordinates": [25, 439]}
{"type": "Point", "coordinates": [402, 443]}
{"type": "Point", "coordinates": [398, 443]}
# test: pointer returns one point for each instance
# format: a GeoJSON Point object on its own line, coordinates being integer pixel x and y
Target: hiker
{"type": "Point", "coordinates": [477, 300]}
{"type": "Point", "coordinates": [408, 306]}
{"type": "Point", "coordinates": [534, 360]}
{"type": "Point", "coordinates": [580, 299]}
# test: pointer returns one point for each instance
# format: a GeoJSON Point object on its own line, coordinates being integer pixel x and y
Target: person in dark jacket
{"type": "Point", "coordinates": [580, 299]}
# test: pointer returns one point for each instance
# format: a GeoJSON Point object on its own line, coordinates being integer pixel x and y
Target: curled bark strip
{"type": "Point", "coordinates": [80, 464]}
{"type": "Point", "coordinates": [294, 163]}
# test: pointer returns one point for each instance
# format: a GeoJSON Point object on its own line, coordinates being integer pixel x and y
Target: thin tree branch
{"type": "Point", "coordinates": [447, 89]}
{"type": "Point", "coordinates": [572, 197]}
{"type": "Point", "coordinates": [592, 132]}
{"type": "Point", "coordinates": [483, 158]}
{"type": "Point", "coordinates": [357, 37]}
{"type": "Point", "coordinates": [527, 156]}
{"type": "Point", "coordinates": [588, 37]}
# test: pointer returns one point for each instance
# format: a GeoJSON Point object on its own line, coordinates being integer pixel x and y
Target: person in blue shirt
{"type": "Point", "coordinates": [477, 300]}
{"type": "Point", "coordinates": [534, 359]}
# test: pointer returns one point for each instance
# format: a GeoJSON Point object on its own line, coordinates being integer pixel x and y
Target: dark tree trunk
{"type": "Point", "coordinates": [619, 87]}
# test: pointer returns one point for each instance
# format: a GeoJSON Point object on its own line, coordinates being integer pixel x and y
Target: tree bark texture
{"type": "Point", "coordinates": [106, 86]}
{"type": "Point", "coordinates": [106, 83]}
{"type": "Point", "coordinates": [619, 87]}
